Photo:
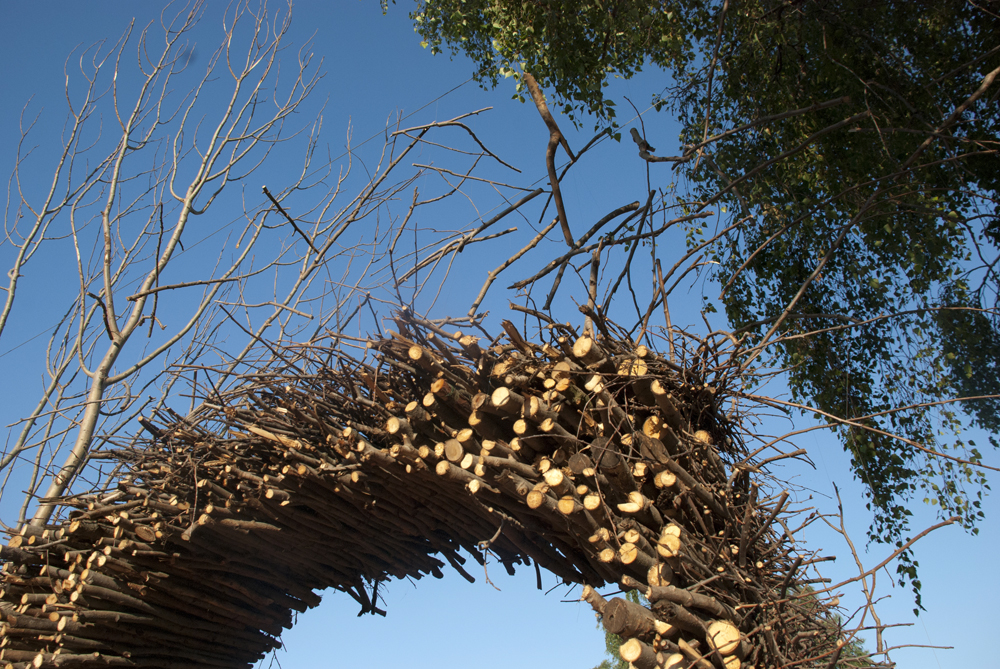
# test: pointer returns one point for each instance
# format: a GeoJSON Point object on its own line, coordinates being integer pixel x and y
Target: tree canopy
{"type": "Point", "coordinates": [853, 147]}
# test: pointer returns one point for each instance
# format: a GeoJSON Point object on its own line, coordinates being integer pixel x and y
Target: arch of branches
{"type": "Point", "coordinates": [599, 461]}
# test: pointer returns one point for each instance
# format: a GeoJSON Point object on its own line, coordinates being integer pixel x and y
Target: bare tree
{"type": "Point", "coordinates": [128, 211]}
{"type": "Point", "coordinates": [166, 275]}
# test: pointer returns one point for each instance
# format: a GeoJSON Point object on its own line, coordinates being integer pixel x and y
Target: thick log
{"type": "Point", "coordinates": [487, 426]}
{"type": "Point", "coordinates": [692, 600]}
{"type": "Point", "coordinates": [639, 654]}
{"type": "Point", "coordinates": [675, 661]}
{"type": "Point", "coordinates": [579, 464]}
{"type": "Point", "coordinates": [610, 462]}
{"type": "Point", "coordinates": [453, 450]}
{"type": "Point", "coordinates": [528, 472]}
{"type": "Point", "coordinates": [506, 402]}
{"type": "Point", "coordinates": [497, 449]}
{"type": "Point", "coordinates": [724, 637]}
{"type": "Point", "coordinates": [650, 447]}
{"type": "Point", "coordinates": [628, 619]}
{"type": "Point", "coordinates": [588, 351]}
{"type": "Point", "coordinates": [668, 404]}
{"type": "Point", "coordinates": [660, 574]}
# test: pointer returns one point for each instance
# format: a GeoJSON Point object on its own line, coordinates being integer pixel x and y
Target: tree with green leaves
{"type": "Point", "coordinates": [853, 147]}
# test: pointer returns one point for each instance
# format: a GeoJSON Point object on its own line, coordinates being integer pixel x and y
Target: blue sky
{"type": "Point", "coordinates": [375, 67]}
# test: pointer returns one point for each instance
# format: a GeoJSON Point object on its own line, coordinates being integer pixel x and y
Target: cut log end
{"type": "Point", "coordinates": [723, 636]}
{"type": "Point", "coordinates": [638, 653]}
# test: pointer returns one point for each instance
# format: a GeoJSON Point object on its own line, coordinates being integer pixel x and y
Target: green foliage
{"type": "Point", "coordinates": [915, 216]}
{"type": "Point", "coordinates": [612, 642]}
{"type": "Point", "coordinates": [893, 189]}
{"type": "Point", "coordinates": [572, 47]}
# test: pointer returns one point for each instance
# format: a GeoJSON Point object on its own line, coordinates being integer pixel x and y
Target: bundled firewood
{"type": "Point", "coordinates": [598, 460]}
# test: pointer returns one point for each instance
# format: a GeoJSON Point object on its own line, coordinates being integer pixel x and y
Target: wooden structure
{"type": "Point", "coordinates": [599, 461]}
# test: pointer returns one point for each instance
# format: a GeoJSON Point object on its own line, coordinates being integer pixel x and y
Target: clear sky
{"type": "Point", "coordinates": [375, 66]}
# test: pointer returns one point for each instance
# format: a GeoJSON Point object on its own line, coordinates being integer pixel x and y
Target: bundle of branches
{"type": "Point", "coordinates": [598, 460]}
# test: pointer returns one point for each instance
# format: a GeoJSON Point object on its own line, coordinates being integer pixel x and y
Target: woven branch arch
{"type": "Point", "coordinates": [597, 460]}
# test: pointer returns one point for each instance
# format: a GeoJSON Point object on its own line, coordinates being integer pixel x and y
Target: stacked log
{"type": "Point", "coordinates": [598, 460]}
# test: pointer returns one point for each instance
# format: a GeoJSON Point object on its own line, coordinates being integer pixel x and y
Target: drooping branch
{"type": "Point", "coordinates": [556, 139]}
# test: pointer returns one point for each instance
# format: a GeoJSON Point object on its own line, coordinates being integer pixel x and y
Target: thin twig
{"type": "Point", "coordinates": [290, 220]}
